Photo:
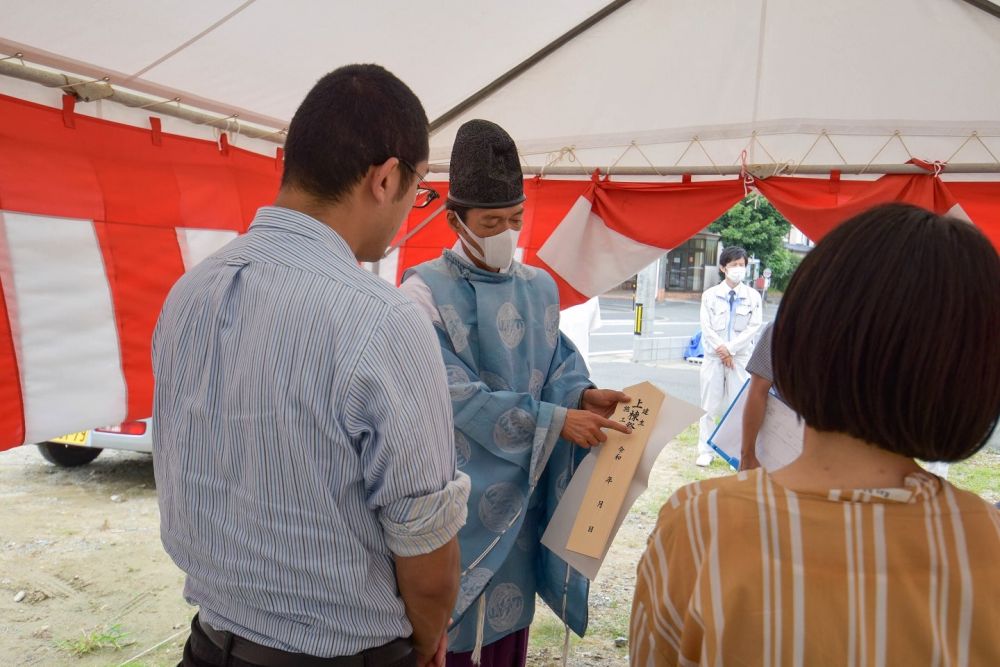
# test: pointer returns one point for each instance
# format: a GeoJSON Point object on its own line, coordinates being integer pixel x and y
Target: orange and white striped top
{"type": "Point", "coordinates": [740, 571]}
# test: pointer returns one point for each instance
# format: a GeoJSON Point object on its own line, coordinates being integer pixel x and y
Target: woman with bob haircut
{"type": "Point", "coordinates": [886, 346]}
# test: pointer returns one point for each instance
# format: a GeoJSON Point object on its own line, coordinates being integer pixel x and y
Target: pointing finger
{"type": "Point", "coordinates": [617, 426]}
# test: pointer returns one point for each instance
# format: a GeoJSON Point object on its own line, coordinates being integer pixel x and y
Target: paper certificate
{"type": "Point", "coordinates": [674, 416]}
{"type": "Point", "coordinates": [779, 441]}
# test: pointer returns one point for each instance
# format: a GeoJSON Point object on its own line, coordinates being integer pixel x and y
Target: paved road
{"type": "Point", "coordinates": [611, 348]}
{"type": "Point", "coordinates": [672, 318]}
{"type": "Point", "coordinates": [615, 369]}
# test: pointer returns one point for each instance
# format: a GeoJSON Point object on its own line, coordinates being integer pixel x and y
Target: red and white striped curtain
{"type": "Point", "coordinates": [98, 220]}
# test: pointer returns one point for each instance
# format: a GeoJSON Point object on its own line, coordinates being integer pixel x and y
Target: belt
{"type": "Point", "coordinates": [266, 656]}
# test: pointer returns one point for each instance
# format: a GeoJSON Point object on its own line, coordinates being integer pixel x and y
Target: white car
{"type": "Point", "coordinates": [77, 449]}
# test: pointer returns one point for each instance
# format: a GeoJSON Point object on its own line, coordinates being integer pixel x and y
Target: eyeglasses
{"type": "Point", "coordinates": [425, 194]}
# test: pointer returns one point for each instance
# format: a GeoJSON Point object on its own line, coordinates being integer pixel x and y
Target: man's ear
{"type": "Point", "coordinates": [381, 181]}
{"type": "Point", "coordinates": [452, 220]}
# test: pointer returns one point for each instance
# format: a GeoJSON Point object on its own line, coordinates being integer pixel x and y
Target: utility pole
{"type": "Point", "coordinates": [646, 288]}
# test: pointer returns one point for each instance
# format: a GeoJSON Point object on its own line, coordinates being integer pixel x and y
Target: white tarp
{"type": "Point", "coordinates": [656, 72]}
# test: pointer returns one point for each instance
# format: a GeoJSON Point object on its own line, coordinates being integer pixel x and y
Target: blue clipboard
{"type": "Point", "coordinates": [731, 460]}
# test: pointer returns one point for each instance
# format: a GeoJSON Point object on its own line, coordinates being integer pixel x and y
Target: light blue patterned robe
{"type": "Point", "coordinates": [512, 375]}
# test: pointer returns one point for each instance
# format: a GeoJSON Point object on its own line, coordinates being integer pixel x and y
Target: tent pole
{"type": "Point", "coordinates": [759, 170]}
{"type": "Point", "coordinates": [986, 6]}
{"type": "Point", "coordinates": [525, 65]}
{"type": "Point", "coordinates": [87, 90]}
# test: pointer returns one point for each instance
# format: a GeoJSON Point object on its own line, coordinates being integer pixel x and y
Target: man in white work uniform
{"type": "Point", "coordinates": [731, 316]}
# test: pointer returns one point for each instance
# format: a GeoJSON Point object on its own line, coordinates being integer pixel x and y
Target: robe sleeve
{"type": "Point", "coordinates": [512, 425]}
{"type": "Point", "coordinates": [568, 375]}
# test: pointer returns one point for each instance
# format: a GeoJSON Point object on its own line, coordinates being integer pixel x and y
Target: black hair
{"type": "Point", "coordinates": [732, 254]}
{"type": "Point", "coordinates": [461, 211]}
{"type": "Point", "coordinates": [887, 333]}
{"type": "Point", "coordinates": [355, 117]}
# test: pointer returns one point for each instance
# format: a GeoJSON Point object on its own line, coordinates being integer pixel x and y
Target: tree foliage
{"type": "Point", "coordinates": [757, 226]}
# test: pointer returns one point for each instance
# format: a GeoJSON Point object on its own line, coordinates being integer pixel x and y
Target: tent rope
{"type": "Point", "coordinates": [283, 130]}
{"type": "Point", "coordinates": [823, 134]}
{"type": "Point", "coordinates": [755, 139]}
{"type": "Point", "coordinates": [213, 122]}
{"type": "Point", "coordinates": [636, 146]}
{"type": "Point", "coordinates": [646, 158]}
{"type": "Point", "coordinates": [103, 79]}
{"type": "Point", "coordinates": [567, 152]}
{"type": "Point", "coordinates": [782, 167]}
{"type": "Point", "coordinates": [696, 141]}
{"type": "Point", "coordinates": [153, 647]}
{"type": "Point", "coordinates": [176, 100]}
{"type": "Point", "coordinates": [619, 158]}
{"type": "Point", "coordinates": [895, 135]}
{"type": "Point", "coordinates": [745, 174]}
{"type": "Point", "coordinates": [974, 135]}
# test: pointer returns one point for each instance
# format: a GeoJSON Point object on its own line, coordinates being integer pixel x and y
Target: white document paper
{"type": "Point", "coordinates": [675, 416]}
{"type": "Point", "coordinates": [779, 441]}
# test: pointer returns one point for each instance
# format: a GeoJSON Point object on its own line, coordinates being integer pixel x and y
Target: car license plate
{"type": "Point", "coordinates": [72, 439]}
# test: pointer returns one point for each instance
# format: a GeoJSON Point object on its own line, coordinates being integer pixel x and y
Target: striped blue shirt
{"type": "Point", "coordinates": [302, 436]}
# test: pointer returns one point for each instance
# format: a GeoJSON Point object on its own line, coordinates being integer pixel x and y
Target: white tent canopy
{"type": "Point", "coordinates": [661, 82]}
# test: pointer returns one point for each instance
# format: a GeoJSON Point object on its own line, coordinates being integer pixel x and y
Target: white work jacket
{"type": "Point", "coordinates": [734, 324]}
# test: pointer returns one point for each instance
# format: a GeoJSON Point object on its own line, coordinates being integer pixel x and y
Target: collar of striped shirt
{"type": "Point", "coordinates": [295, 222]}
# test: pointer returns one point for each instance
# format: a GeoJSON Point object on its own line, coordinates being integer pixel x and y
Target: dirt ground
{"type": "Point", "coordinates": [83, 546]}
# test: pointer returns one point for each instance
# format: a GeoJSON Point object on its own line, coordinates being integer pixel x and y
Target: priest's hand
{"type": "Point", "coordinates": [585, 428]}
{"type": "Point", "coordinates": [602, 401]}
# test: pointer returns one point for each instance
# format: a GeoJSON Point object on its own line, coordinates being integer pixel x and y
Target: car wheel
{"type": "Point", "coordinates": [68, 456]}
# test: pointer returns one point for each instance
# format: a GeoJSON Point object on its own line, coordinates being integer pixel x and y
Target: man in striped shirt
{"type": "Point", "coordinates": [303, 447]}
{"type": "Point", "coordinates": [852, 554]}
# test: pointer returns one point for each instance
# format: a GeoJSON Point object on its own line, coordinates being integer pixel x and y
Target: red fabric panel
{"type": "Point", "coordinates": [36, 178]}
{"type": "Point", "coordinates": [657, 214]}
{"type": "Point", "coordinates": [68, 108]}
{"type": "Point", "coordinates": [11, 402]}
{"type": "Point", "coordinates": [142, 264]}
{"type": "Point", "coordinates": [816, 206]}
{"type": "Point", "coordinates": [138, 185]}
{"type": "Point", "coordinates": [107, 171]}
{"type": "Point", "coordinates": [138, 192]}
{"type": "Point", "coordinates": [981, 201]}
{"type": "Point", "coordinates": [545, 206]}
{"type": "Point", "coordinates": [568, 297]}
{"type": "Point", "coordinates": [432, 238]}
{"type": "Point", "coordinates": [664, 214]}
{"type": "Point", "coordinates": [209, 196]}
{"type": "Point", "coordinates": [156, 130]}
{"type": "Point", "coordinates": [547, 203]}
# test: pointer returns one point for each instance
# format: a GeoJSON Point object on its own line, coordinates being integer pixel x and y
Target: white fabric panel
{"type": "Point", "coordinates": [957, 211]}
{"type": "Point", "coordinates": [663, 71]}
{"type": "Point", "coordinates": [590, 256]}
{"type": "Point", "coordinates": [578, 321]}
{"type": "Point", "coordinates": [197, 244]}
{"type": "Point", "coordinates": [892, 59]}
{"type": "Point", "coordinates": [67, 341]}
{"type": "Point", "coordinates": [388, 267]}
{"type": "Point", "coordinates": [234, 68]}
{"type": "Point", "coordinates": [123, 35]}
{"type": "Point", "coordinates": [657, 71]}
{"type": "Point", "coordinates": [654, 64]}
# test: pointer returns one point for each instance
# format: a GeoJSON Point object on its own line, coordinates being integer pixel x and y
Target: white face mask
{"type": "Point", "coordinates": [736, 274]}
{"type": "Point", "coordinates": [498, 250]}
